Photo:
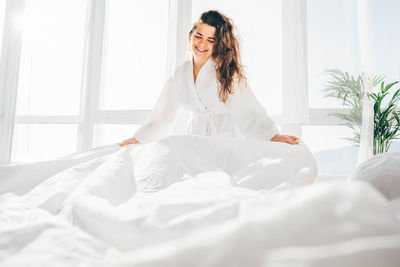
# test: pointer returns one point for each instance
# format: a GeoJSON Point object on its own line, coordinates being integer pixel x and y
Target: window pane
{"type": "Point", "coordinates": [105, 134]}
{"type": "Point", "coordinates": [332, 44]}
{"type": "Point", "coordinates": [33, 142]}
{"type": "Point", "coordinates": [259, 29]}
{"type": "Point", "coordinates": [52, 57]}
{"type": "Point", "coordinates": [135, 53]}
{"type": "Point", "coordinates": [320, 137]}
{"type": "Point", "coordinates": [333, 154]}
{"type": "Point", "coordinates": [386, 38]}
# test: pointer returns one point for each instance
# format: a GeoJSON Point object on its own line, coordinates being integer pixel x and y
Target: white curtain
{"type": "Point", "coordinates": [367, 129]}
{"type": "Point", "coordinates": [294, 66]}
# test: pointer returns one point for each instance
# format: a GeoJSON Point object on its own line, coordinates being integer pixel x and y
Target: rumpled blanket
{"type": "Point", "coordinates": [192, 201]}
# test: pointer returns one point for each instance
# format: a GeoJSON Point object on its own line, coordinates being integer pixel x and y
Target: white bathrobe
{"type": "Point", "coordinates": [242, 116]}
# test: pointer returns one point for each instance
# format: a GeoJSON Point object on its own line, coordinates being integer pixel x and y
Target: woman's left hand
{"type": "Point", "coordinates": [290, 139]}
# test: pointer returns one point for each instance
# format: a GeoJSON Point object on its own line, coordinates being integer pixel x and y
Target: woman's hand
{"type": "Point", "coordinates": [129, 141]}
{"type": "Point", "coordinates": [290, 139]}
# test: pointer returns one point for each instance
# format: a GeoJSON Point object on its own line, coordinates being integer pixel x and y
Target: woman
{"type": "Point", "coordinates": [213, 87]}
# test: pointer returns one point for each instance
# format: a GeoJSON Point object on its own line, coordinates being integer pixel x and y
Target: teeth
{"type": "Point", "coordinates": [201, 49]}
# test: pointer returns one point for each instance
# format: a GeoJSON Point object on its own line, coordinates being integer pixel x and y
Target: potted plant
{"type": "Point", "coordinates": [348, 89]}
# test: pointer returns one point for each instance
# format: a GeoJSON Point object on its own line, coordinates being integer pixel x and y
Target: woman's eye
{"type": "Point", "coordinates": [211, 41]}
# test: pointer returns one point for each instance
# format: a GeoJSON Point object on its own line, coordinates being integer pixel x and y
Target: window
{"type": "Point", "coordinates": [50, 79]}
{"type": "Point", "coordinates": [79, 79]}
{"type": "Point", "coordinates": [105, 134]}
{"type": "Point", "coordinates": [386, 40]}
{"type": "Point", "coordinates": [93, 79]}
{"type": "Point", "coordinates": [135, 54]}
{"type": "Point", "coordinates": [43, 141]}
{"type": "Point", "coordinates": [332, 44]}
{"type": "Point", "coordinates": [134, 67]}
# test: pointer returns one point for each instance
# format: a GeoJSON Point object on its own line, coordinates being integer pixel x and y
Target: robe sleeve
{"type": "Point", "coordinates": [163, 116]}
{"type": "Point", "coordinates": [250, 116]}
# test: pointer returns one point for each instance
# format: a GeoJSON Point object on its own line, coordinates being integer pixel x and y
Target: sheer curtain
{"type": "Point", "coordinates": [49, 78]}
{"type": "Point", "coordinates": [367, 128]}
{"type": "Point", "coordinates": [78, 74]}
{"type": "Point", "coordinates": [332, 43]}
{"type": "Point", "coordinates": [134, 66]}
{"type": "Point", "coordinates": [379, 29]}
{"type": "Point", "coordinates": [88, 72]}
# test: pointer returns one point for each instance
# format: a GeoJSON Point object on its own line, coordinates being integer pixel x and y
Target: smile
{"type": "Point", "coordinates": [200, 50]}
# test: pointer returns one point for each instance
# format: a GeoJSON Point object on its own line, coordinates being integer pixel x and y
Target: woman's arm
{"type": "Point", "coordinates": [162, 117]}
{"type": "Point", "coordinates": [249, 115]}
{"type": "Point", "coordinates": [252, 118]}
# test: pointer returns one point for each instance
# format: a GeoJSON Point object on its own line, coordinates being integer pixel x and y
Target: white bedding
{"type": "Point", "coordinates": [192, 201]}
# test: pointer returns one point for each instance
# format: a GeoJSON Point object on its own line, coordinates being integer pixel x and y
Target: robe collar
{"type": "Point", "coordinates": [209, 64]}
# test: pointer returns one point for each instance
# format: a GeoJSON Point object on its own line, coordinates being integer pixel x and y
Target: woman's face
{"type": "Point", "coordinates": [203, 41]}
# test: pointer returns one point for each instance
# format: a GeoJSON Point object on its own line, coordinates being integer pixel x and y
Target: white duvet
{"type": "Point", "coordinates": [192, 201]}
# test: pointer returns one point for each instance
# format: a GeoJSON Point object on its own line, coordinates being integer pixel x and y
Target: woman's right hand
{"type": "Point", "coordinates": [284, 138]}
{"type": "Point", "coordinates": [129, 141]}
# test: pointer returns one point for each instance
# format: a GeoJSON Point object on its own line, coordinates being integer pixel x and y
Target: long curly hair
{"type": "Point", "coordinates": [226, 53]}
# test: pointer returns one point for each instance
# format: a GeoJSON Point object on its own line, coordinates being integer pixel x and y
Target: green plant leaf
{"type": "Point", "coordinates": [348, 89]}
{"type": "Point", "coordinates": [387, 87]}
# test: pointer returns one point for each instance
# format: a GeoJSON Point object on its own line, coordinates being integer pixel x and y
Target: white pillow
{"type": "Point", "coordinates": [382, 171]}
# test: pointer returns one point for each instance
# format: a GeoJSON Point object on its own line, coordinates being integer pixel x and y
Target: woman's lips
{"type": "Point", "coordinates": [200, 50]}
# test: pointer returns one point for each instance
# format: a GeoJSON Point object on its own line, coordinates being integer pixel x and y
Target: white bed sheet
{"type": "Point", "coordinates": [192, 201]}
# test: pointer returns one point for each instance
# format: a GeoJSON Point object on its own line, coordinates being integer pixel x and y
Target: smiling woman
{"type": "Point", "coordinates": [220, 100]}
{"type": "Point", "coordinates": [225, 53]}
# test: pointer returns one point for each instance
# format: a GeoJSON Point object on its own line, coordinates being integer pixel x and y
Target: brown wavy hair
{"type": "Point", "coordinates": [226, 53]}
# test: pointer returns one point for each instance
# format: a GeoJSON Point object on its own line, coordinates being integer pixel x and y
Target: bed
{"type": "Point", "coordinates": [168, 203]}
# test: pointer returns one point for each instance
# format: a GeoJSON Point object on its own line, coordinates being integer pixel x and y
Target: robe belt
{"type": "Point", "coordinates": [205, 120]}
